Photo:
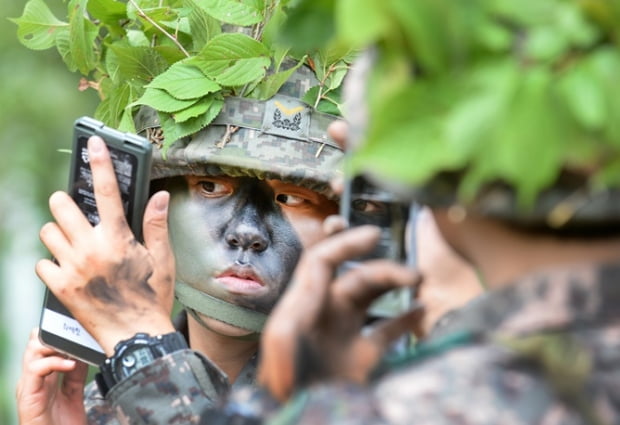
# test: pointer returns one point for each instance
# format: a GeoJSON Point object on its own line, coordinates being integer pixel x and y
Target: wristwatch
{"type": "Point", "coordinates": [135, 353]}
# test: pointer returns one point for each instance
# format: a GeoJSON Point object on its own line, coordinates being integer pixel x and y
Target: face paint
{"type": "Point", "coordinates": [231, 240]}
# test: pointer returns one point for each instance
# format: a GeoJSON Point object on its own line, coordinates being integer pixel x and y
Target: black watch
{"type": "Point", "coordinates": [135, 353]}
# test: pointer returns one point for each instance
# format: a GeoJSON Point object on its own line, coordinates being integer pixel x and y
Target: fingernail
{"type": "Point", "coordinates": [161, 202]}
{"type": "Point", "coordinates": [68, 363]}
{"type": "Point", "coordinates": [95, 144]}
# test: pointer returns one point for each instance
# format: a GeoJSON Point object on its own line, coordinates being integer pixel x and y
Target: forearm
{"type": "Point", "coordinates": [177, 387]}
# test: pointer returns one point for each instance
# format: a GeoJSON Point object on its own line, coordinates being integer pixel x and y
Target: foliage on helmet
{"type": "Point", "coordinates": [518, 92]}
{"type": "Point", "coordinates": [179, 57]}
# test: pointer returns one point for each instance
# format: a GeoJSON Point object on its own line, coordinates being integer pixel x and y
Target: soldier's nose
{"type": "Point", "coordinates": [247, 237]}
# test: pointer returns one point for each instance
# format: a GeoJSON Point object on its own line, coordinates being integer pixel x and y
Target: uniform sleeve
{"type": "Point", "coordinates": [337, 403]}
{"type": "Point", "coordinates": [174, 389]}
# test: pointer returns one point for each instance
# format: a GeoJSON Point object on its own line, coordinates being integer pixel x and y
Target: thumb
{"type": "Point", "coordinates": [155, 225]}
{"type": "Point", "coordinates": [158, 245]}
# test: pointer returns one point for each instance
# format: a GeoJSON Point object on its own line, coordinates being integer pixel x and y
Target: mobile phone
{"type": "Point", "coordinates": [131, 156]}
{"type": "Point", "coordinates": [363, 202]}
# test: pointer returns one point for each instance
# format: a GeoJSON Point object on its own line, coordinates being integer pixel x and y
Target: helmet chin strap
{"type": "Point", "coordinates": [197, 303]}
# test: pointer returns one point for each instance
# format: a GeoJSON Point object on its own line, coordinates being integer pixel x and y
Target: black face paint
{"type": "Point", "coordinates": [243, 236]}
{"type": "Point", "coordinates": [126, 276]}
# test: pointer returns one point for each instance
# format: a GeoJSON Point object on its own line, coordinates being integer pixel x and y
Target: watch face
{"type": "Point", "coordinates": [132, 360]}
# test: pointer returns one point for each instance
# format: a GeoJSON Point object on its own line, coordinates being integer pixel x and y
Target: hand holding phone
{"type": "Point", "coordinates": [362, 203]}
{"type": "Point", "coordinates": [131, 157]}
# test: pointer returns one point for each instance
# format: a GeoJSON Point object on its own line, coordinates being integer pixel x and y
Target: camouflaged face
{"type": "Point", "coordinates": [281, 138]}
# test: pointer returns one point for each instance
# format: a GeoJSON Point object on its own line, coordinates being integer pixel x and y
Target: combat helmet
{"type": "Point", "coordinates": [282, 137]}
{"type": "Point", "coordinates": [504, 109]}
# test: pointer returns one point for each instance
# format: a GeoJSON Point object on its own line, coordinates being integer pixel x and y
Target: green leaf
{"type": "Point", "coordinates": [127, 123]}
{"type": "Point", "coordinates": [371, 15]}
{"type": "Point", "coordinates": [63, 44]}
{"type": "Point", "coordinates": [311, 97]}
{"type": "Point", "coordinates": [174, 131]}
{"type": "Point", "coordinates": [137, 38]}
{"type": "Point", "coordinates": [110, 12]}
{"type": "Point", "coordinates": [424, 24]}
{"type": "Point", "coordinates": [37, 26]}
{"type": "Point", "coordinates": [82, 35]}
{"type": "Point", "coordinates": [193, 111]}
{"type": "Point", "coordinates": [233, 59]}
{"type": "Point", "coordinates": [584, 96]}
{"type": "Point", "coordinates": [483, 100]}
{"type": "Point", "coordinates": [202, 25]}
{"type": "Point", "coordinates": [125, 62]}
{"type": "Point", "coordinates": [162, 101]}
{"type": "Point", "coordinates": [233, 12]}
{"type": "Point", "coordinates": [330, 104]}
{"type": "Point", "coordinates": [301, 31]}
{"type": "Point", "coordinates": [546, 43]}
{"type": "Point", "coordinates": [112, 108]}
{"type": "Point", "coordinates": [184, 82]}
{"type": "Point", "coordinates": [408, 124]}
{"type": "Point", "coordinates": [272, 83]}
{"type": "Point", "coordinates": [522, 141]}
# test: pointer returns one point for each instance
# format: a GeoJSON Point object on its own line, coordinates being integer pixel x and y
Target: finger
{"type": "Point", "coordinates": [51, 274]}
{"type": "Point", "coordinates": [105, 185]}
{"type": "Point", "coordinates": [39, 362]}
{"type": "Point", "coordinates": [337, 185]}
{"type": "Point", "coordinates": [74, 380]}
{"type": "Point", "coordinates": [35, 348]}
{"type": "Point", "coordinates": [71, 221]}
{"type": "Point", "coordinates": [334, 224]}
{"type": "Point", "coordinates": [361, 285]}
{"type": "Point", "coordinates": [338, 130]}
{"type": "Point", "coordinates": [55, 241]}
{"type": "Point", "coordinates": [276, 370]}
{"type": "Point", "coordinates": [387, 331]}
{"type": "Point", "coordinates": [345, 245]}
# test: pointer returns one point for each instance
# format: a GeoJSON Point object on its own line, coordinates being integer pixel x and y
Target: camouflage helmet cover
{"type": "Point", "coordinates": [280, 138]}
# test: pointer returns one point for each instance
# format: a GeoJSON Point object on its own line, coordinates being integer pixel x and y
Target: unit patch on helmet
{"type": "Point", "coordinates": [286, 117]}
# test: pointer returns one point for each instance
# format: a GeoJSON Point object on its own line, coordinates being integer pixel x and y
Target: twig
{"type": "Point", "coordinates": [156, 25]}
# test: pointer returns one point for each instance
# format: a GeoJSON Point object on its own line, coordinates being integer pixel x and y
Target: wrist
{"type": "Point", "coordinates": [110, 341]}
{"type": "Point", "coordinates": [135, 353]}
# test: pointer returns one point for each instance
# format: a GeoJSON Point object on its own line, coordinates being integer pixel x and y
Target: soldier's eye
{"type": "Point", "coordinates": [213, 188]}
{"type": "Point", "coordinates": [289, 200]}
{"type": "Point", "coordinates": [368, 207]}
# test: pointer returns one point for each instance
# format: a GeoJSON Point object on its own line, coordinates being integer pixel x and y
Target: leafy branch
{"type": "Point", "coordinates": [174, 39]}
{"type": "Point", "coordinates": [179, 57]}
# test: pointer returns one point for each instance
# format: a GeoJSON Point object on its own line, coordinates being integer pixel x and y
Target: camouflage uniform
{"type": "Point", "coordinates": [545, 350]}
{"type": "Point", "coordinates": [214, 386]}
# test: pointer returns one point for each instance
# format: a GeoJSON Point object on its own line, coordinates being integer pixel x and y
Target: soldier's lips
{"type": "Point", "coordinates": [243, 282]}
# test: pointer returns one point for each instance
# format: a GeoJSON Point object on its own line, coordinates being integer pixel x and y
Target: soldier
{"type": "Point", "coordinates": [247, 194]}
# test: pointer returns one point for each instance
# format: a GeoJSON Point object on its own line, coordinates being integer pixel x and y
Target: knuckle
{"type": "Point", "coordinates": [107, 188]}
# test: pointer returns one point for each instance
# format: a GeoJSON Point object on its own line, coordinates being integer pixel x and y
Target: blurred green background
{"type": "Point", "coordinates": [39, 101]}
